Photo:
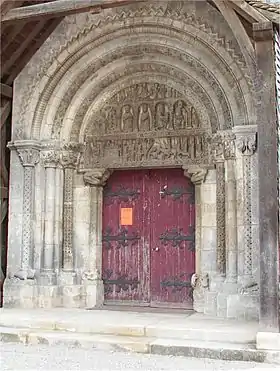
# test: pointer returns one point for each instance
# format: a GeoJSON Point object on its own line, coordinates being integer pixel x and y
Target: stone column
{"type": "Point", "coordinates": [246, 145]}
{"type": "Point", "coordinates": [231, 223]}
{"type": "Point", "coordinates": [263, 34]}
{"type": "Point", "coordinates": [29, 155]}
{"type": "Point", "coordinates": [50, 161]}
{"type": "Point", "coordinates": [69, 158]}
{"type": "Point", "coordinates": [200, 278]}
{"type": "Point", "coordinates": [96, 179]}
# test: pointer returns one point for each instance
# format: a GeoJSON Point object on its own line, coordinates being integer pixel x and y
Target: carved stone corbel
{"type": "Point", "coordinates": [97, 177]}
{"type": "Point", "coordinates": [196, 174]}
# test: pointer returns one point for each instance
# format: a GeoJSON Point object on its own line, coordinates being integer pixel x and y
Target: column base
{"type": "Point", "coordinates": [20, 293]}
{"type": "Point", "coordinates": [94, 294]}
{"type": "Point", "coordinates": [47, 278]}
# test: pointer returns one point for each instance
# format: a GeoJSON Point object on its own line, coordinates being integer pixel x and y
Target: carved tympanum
{"type": "Point", "coordinates": [145, 124]}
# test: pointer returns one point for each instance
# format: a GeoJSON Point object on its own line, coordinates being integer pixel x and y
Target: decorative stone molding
{"type": "Point", "coordinates": [28, 152]}
{"type": "Point", "coordinates": [97, 177]}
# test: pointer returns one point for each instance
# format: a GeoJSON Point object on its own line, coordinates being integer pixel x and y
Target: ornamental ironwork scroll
{"type": "Point", "coordinates": [176, 193]}
{"type": "Point", "coordinates": [122, 238]}
{"type": "Point", "coordinates": [121, 194]}
{"type": "Point", "coordinates": [122, 282]}
{"type": "Point", "coordinates": [176, 237]}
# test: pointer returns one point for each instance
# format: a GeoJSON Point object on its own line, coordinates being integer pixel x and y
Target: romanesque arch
{"type": "Point", "coordinates": [144, 86]}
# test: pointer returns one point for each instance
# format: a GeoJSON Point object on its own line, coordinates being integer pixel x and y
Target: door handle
{"type": "Point", "coordinates": [156, 249]}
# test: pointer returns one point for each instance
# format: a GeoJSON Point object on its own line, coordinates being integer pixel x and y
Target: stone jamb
{"type": "Point", "coordinates": [28, 152]}
{"type": "Point", "coordinates": [69, 160]}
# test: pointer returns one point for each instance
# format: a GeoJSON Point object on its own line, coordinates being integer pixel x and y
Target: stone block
{"type": "Point", "coordinates": [20, 294]}
{"type": "Point", "coordinates": [268, 341]}
{"type": "Point", "coordinates": [49, 297]}
{"type": "Point", "coordinates": [243, 307]}
{"type": "Point", "coordinates": [210, 303]}
{"type": "Point", "coordinates": [72, 296]}
{"type": "Point", "coordinates": [94, 294]}
{"type": "Point", "coordinates": [222, 305]}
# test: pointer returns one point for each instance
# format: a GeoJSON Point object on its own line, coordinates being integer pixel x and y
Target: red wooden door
{"type": "Point", "coordinates": [172, 243]}
{"type": "Point", "coordinates": [124, 242]}
{"type": "Point", "coordinates": [148, 238]}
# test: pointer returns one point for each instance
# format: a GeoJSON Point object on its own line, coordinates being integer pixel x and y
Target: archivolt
{"type": "Point", "coordinates": [99, 50]}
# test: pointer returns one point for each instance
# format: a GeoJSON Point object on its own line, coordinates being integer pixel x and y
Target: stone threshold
{"type": "Point", "coordinates": [179, 334]}
{"type": "Point", "coordinates": [145, 345]}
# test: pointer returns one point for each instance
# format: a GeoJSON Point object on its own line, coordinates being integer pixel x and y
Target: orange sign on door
{"type": "Point", "coordinates": [126, 216]}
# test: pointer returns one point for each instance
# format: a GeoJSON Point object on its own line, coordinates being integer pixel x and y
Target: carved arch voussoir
{"type": "Point", "coordinates": [136, 15]}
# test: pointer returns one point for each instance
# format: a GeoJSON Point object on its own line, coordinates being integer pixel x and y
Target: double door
{"type": "Point", "coordinates": [148, 238]}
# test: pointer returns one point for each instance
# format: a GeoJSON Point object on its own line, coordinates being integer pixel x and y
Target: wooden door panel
{"type": "Point", "coordinates": [125, 246]}
{"type": "Point", "coordinates": [172, 238]}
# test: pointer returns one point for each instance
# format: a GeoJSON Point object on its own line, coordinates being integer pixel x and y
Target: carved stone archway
{"type": "Point", "coordinates": [175, 92]}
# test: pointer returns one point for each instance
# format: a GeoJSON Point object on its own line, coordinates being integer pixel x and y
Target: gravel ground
{"type": "Point", "coordinates": [19, 357]}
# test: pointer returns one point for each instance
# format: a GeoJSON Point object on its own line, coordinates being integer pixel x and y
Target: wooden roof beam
{"type": "Point", "coordinates": [247, 11]}
{"type": "Point", "coordinates": [236, 26]}
{"type": "Point", "coordinates": [6, 91]}
{"type": "Point", "coordinates": [61, 8]}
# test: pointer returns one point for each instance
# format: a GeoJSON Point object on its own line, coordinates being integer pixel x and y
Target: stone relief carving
{"type": "Point", "coordinates": [95, 124]}
{"type": "Point", "coordinates": [220, 217]}
{"type": "Point", "coordinates": [50, 158]}
{"type": "Point", "coordinates": [28, 156]}
{"type": "Point", "coordinates": [70, 154]}
{"type": "Point", "coordinates": [153, 124]}
{"type": "Point", "coordinates": [97, 177]}
{"type": "Point", "coordinates": [247, 145]}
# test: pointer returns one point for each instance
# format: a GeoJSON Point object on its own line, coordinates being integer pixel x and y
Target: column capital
{"type": "Point", "coordinates": [97, 177]}
{"type": "Point", "coordinates": [28, 151]}
{"type": "Point", "coordinates": [50, 158]}
{"type": "Point", "coordinates": [196, 174]}
{"type": "Point", "coordinates": [223, 146]}
{"type": "Point", "coordinates": [70, 154]}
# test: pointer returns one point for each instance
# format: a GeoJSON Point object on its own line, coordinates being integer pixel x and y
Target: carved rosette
{"type": "Point", "coordinates": [247, 145]}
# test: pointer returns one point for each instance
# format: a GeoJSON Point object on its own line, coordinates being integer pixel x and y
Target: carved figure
{"type": "Point", "coordinates": [127, 119]}
{"type": "Point", "coordinates": [144, 118]}
{"type": "Point", "coordinates": [162, 119]}
{"type": "Point", "coordinates": [180, 115]}
{"type": "Point", "coordinates": [111, 120]}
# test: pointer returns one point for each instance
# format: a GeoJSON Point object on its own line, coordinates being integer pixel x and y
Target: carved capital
{"type": "Point", "coordinates": [247, 145]}
{"type": "Point", "coordinates": [70, 155]}
{"type": "Point", "coordinates": [196, 174]}
{"type": "Point", "coordinates": [223, 146]}
{"type": "Point", "coordinates": [97, 177]}
{"type": "Point", "coordinates": [50, 158]}
{"type": "Point", "coordinates": [28, 156]}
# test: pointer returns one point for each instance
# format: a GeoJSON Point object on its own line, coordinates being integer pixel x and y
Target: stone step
{"type": "Point", "coordinates": [139, 344]}
{"type": "Point", "coordinates": [196, 331]}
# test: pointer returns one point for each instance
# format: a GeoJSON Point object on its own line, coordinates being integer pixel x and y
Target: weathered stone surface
{"type": "Point", "coordinates": [102, 98]}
